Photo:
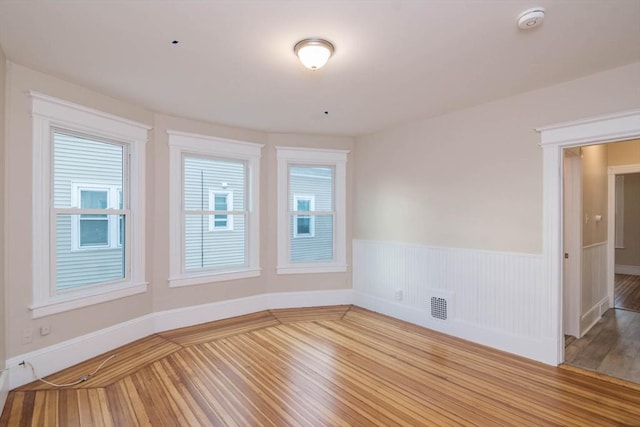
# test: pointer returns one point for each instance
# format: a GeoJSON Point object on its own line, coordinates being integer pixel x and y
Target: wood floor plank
{"type": "Point", "coordinates": [128, 359]}
{"type": "Point", "coordinates": [310, 314]}
{"type": "Point", "coordinates": [339, 366]}
{"type": "Point", "coordinates": [206, 332]}
{"type": "Point", "coordinates": [627, 292]}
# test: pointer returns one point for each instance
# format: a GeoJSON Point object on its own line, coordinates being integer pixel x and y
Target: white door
{"type": "Point", "coordinates": [572, 238]}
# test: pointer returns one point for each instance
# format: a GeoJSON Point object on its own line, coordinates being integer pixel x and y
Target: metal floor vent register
{"type": "Point", "coordinates": [439, 308]}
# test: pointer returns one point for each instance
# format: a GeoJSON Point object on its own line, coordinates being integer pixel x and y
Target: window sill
{"type": "Point", "coordinates": [75, 301]}
{"type": "Point", "coordinates": [314, 268]}
{"type": "Point", "coordinates": [213, 277]}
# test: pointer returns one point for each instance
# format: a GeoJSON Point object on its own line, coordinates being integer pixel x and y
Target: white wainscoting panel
{"type": "Point", "coordinates": [498, 299]}
{"type": "Point", "coordinates": [633, 270]}
{"type": "Point", "coordinates": [4, 388]}
{"type": "Point", "coordinates": [594, 285]}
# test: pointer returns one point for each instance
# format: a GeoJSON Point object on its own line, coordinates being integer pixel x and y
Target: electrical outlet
{"type": "Point", "coordinates": [27, 335]}
{"type": "Point", "coordinates": [45, 330]}
{"type": "Point", "coordinates": [398, 295]}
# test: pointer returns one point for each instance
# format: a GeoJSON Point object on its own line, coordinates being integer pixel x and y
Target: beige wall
{"type": "Point", "coordinates": [624, 153]}
{"type": "Point", "coordinates": [630, 255]}
{"type": "Point", "coordinates": [594, 194]}
{"type": "Point", "coordinates": [3, 322]}
{"type": "Point", "coordinates": [473, 178]}
{"type": "Point", "coordinates": [18, 234]}
{"type": "Point", "coordinates": [159, 297]}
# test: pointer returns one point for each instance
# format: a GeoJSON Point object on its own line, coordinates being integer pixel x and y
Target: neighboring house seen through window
{"type": "Point", "coordinates": [97, 231]}
{"type": "Point", "coordinates": [221, 201]}
{"type": "Point", "coordinates": [304, 225]}
{"type": "Point", "coordinates": [214, 209]}
{"type": "Point", "coordinates": [312, 181]}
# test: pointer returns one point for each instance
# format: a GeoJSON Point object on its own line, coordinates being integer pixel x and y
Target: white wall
{"type": "Point", "coordinates": [3, 322]}
{"type": "Point", "coordinates": [472, 179]}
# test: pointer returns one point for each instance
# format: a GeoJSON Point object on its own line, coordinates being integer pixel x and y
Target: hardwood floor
{"type": "Point", "coordinates": [627, 292]}
{"type": "Point", "coordinates": [333, 366]}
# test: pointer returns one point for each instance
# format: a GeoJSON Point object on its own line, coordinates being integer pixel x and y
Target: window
{"type": "Point", "coordinates": [96, 231]}
{"type": "Point", "coordinates": [304, 225]}
{"type": "Point", "coordinates": [312, 181]}
{"type": "Point", "coordinates": [88, 182]}
{"type": "Point", "coordinates": [214, 209]}
{"type": "Point", "coordinates": [221, 201]}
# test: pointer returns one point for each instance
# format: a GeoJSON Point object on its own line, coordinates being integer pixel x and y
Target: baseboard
{"type": "Point", "coordinates": [68, 353]}
{"type": "Point", "coordinates": [4, 388]}
{"type": "Point", "coordinates": [633, 270]}
{"type": "Point", "coordinates": [62, 355]}
{"type": "Point", "coordinates": [543, 350]}
{"type": "Point", "coordinates": [591, 317]}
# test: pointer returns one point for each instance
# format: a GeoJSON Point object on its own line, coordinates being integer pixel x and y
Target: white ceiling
{"type": "Point", "coordinates": [395, 60]}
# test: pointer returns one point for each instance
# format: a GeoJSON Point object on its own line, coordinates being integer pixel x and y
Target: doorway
{"type": "Point", "coordinates": [604, 238]}
{"type": "Point", "coordinates": [621, 126]}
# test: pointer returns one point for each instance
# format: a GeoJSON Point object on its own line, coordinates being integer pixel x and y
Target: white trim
{"type": "Point", "coordinates": [181, 143]}
{"type": "Point", "coordinates": [223, 276]}
{"type": "Point", "coordinates": [632, 270]}
{"type": "Point", "coordinates": [311, 156]}
{"type": "Point", "coordinates": [68, 353]}
{"type": "Point", "coordinates": [536, 349]}
{"type": "Point", "coordinates": [49, 113]}
{"type": "Point", "coordinates": [554, 139]}
{"type": "Point", "coordinates": [62, 355]}
{"type": "Point", "coordinates": [312, 268]}
{"type": "Point", "coordinates": [612, 171]}
{"type": "Point", "coordinates": [4, 388]}
{"type": "Point", "coordinates": [591, 316]}
{"type": "Point", "coordinates": [619, 210]}
{"type": "Point", "coordinates": [86, 297]}
{"type": "Point", "coordinates": [79, 117]}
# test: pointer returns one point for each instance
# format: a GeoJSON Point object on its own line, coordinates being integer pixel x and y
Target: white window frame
{"type": "Point", "coordinates": [337, 159]}
{"type": "Point", "coordinates": [180, 144]}
{"type": "Point", "coordinates": [51, 114]}
{"type": "Point", "coordinates": [212, 207]}
{"type": "Point", "coordinates": [113, 196]}
{"type": "Point", "coordinates": [312, 219]}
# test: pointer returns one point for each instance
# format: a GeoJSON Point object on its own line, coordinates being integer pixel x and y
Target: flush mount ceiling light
{"type": "Point", "coordinates": [313, 53]}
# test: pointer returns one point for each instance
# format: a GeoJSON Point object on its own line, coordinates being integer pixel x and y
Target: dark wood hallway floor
{"type": "Point", "coordinates": [627, 292]}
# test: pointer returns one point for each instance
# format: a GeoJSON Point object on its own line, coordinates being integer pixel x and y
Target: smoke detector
{"type": "Point", "coordinates": [531, 18]}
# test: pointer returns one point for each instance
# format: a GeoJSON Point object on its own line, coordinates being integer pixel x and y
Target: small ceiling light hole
{"type": "Point", "coordinates": [175, 41]}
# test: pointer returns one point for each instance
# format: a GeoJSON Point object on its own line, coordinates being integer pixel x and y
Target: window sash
{"type": "Point", "coordinates": [115, 196]}
{"type": "Point", "coordinates": [214, 217]}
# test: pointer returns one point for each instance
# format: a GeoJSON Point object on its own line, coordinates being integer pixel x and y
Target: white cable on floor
{"type": "Point", "coordinates": [83, 378]}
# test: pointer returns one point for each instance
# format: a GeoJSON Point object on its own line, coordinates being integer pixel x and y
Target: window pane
{"type": "Point", "coordinates": [303, 224]}
{"type": "Point", "coordinates": [94, 232]}
{"type": "Point", "coordinates": [202, 177]}
{"type": "Point", "coordinates": [319, 246]}
{"type": "Point", "coordinates": [79, 268]}
{"type": "Point", "coordinates": [94, 199]}
{"type": "Point", "coordinates": [311, 182]}
{"type": "Point", "coordinates": [205, 250]}
{"type": "Point", "coordinates": [82, 160]}
{"type": "Point", "coordinates": [87, 174]}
